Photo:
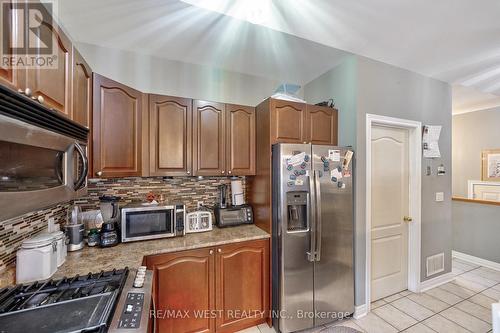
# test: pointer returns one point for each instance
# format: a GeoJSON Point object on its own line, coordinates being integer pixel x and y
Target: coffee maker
{"type": "Point", "coordinates": [109, 235]}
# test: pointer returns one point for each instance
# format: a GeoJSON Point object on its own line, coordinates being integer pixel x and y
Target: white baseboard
{"type": "Point", "coordinates": [476, 260]}
{"type": "Point", "coordinates": [360, 311]}
{"type": "Point", "coordinates": [435, 282]}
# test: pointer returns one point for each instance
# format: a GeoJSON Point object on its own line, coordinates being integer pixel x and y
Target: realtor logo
{"type": "Point", "coordinates": [28, 35]}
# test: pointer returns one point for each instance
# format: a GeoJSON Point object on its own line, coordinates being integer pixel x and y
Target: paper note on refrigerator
{"type": "Point", "coordinates": [334, 155]}
{"type": "Point", "coordinates": [297, 159]}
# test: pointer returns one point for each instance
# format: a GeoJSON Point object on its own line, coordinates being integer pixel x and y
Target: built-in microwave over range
{"type": "Point", "coordinates": [43, 156]}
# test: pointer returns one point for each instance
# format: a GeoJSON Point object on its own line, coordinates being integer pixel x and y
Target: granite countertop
{"type": "Point", "coordinates": [94, 259]}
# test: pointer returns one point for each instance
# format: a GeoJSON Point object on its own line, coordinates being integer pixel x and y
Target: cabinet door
{"type": "Point", "coordinates": [117, 121]}
{"type": "Point", "coordinates": [170, 144]}
{"type": "Point", "coordinates": [12, 77]}
{"type": "Point", "coordinates": [209, 138]}
{"type": "Point", "coordinates": [322, 125]}
{"type": "Point", "coordinates": [184, 281]}
{"type": "Point", "coordinates": [54, 84]}
{"type": "Point", "coordinates": [240, 140]}
{"type": "Point", "coordinates": [288, 122]}
{"type": "Point", "coordinates": [242, 285]}
{"type": "Point", "coordinates": [82, 90]}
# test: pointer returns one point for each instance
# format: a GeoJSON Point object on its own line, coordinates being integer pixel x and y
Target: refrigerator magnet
{"type": "Point", "coordinates": [299, 182]}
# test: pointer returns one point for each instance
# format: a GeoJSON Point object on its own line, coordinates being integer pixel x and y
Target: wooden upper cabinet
{"type": "Point", "coordinates": [209, 140]}
{"type": "Point", "coordinates": [242, 284]}
{"type": "Point", "coordinates": [288, 121]}
{"type": "Point", "coordinates": [240, 146]}
{"type": "Point", "coordinates": [82, 90]}
{"type": "Point", "coordinates": [13, 78]}
{"type": "Point", "coordinates": [322, 125]}
{"type": "Point", "coordinates": [184, 281]}
{"type": "Point", "coordinates": [170, 139]}
{"type": "Point", "coordinates": [117, 129]}
{"type": "Point", "coordinates": [54, 84]}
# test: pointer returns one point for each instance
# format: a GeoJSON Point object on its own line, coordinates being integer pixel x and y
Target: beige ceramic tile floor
{"type": "Point", "coordinates": [463, 305]}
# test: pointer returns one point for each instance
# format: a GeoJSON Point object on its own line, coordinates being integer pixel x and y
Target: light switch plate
{"type": "Point", "coordinates": [439, 196]}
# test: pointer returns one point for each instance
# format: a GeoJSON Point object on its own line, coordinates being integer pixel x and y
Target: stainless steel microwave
{"type": "Point", "coordinates": [142, 222]}
{"type": "Point", "coordinates": [38, 167]}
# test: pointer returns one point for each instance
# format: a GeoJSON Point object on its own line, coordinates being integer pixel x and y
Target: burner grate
{"type": "Point", "coordinates": [76, 304]}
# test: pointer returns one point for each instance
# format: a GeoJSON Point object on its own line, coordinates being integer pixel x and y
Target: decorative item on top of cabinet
{"type": "Point", "coordinates": [242, 285]}
{"type": "Point", "coordinates": [321, 125]}
{"type": "Point", "coordinates": [184, 281]}
{"type": "Point", "coordinates": [209, 124]}
{"type": "Point", "coordinates": [288, 121]}
{"type": "Point", "coordinates": [117, 129]}
{"type": "Point", "coordinates": [53, 84]}
{"type": "Point", "coordinates": [82, 90]}
{"type": "Point", "coordinates": [170, 139]}
{"type": "Point", "coordinates": [240, 148]}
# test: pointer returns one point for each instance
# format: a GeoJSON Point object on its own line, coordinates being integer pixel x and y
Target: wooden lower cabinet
{"type": "Point", "coordinates": [183, 281]}
{"type": "Point", "coordinates": [242, 285]}
{"type": "Point", "coordinates": [223, 289]}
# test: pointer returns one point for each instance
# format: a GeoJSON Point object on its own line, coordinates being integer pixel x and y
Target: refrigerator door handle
{"type": "Point", "coordinates": [311, 216]}
{"type": "Point", "coordinates": [318, 216]}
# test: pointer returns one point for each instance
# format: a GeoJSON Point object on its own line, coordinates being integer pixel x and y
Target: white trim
{"type": "Point", "coordinates": [471, 183]}
{"type": "Point", "coordinates": [360, 311]}
{"type": "Point", "coordinates": [415, 190]}
{"type": "Point", "coordinates": [435, 282]}
{"type": "Point", "coordinates": [476, 260]}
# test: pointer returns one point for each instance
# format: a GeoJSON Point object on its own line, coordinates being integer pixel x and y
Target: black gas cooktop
{"type": "Point", "coordinates": [77, 304]}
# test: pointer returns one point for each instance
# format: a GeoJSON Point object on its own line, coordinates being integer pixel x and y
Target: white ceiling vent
{"type": "Point", "coordinates": [435, 264]}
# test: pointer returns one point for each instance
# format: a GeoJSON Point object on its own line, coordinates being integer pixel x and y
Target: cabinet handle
{"type": "Point", "coordinates": [219, 250]}
{"type": "Point", "coordinates": [27, 92]}
{"type": "Point", "coordinates": [305, 142]}
{"type": "Point", "coordinates": [211, 252]}
{"type": "Point", "coordinates": [189, 172]}
{"type": "Point", "coordinates": [222, 171]}
{"type": "Point", "coordinates": [229, 172]}
{"type": "Point", "coordinates": [99, 173]}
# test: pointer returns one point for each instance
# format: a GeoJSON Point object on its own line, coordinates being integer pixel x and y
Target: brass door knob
{"type": "Point", "coordinates": [407, 218]}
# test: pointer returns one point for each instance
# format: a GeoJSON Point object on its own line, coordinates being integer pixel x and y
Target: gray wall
{"type": "Point", "coordinates": [475, 230]}
{"type": "Point", "coordinates": [472, 132]}
{"type": "Point", "coordinates": [340, 84]}
{"type": "Point", "coordinates": [162, 76]}
{"type": "Point", "coordinates": [390, 91]}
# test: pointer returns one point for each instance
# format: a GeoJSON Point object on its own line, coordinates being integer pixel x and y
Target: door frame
{"type": "Point", "coordinates": [415, 189]}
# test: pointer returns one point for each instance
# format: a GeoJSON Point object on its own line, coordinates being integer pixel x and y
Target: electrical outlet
{"type": "Point", "coordinates": [439, 196]}
{"type": "Point", "coordinates": [199, 204]}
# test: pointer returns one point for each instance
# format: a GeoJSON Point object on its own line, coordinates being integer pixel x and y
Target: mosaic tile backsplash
{"type": "Point", "coordinates": [187, 190]}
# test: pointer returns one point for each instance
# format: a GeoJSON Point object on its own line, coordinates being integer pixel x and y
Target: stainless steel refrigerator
{"type": "Point", "coordinates": [313, 267]}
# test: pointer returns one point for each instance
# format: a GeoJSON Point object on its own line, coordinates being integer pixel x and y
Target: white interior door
{"type": "Point", "coordinates": [389, 206]}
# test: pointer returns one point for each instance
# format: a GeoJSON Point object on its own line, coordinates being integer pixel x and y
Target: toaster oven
{"type": "Point", "coordinates": [233, 215]}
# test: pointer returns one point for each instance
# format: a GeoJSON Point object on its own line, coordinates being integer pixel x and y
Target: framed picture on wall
{"type": "Point", "coordinates": [491, 165]}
